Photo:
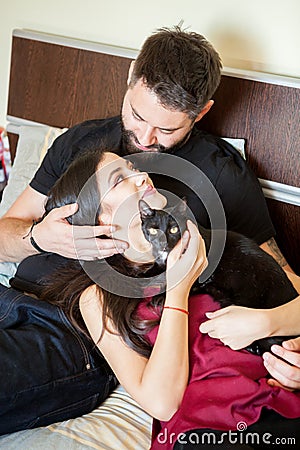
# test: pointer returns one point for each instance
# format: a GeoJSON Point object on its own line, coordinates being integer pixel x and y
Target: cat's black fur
{"type": "Point", "coordinates": [162, 229]}
{"type": "Point", "coordinates": [245, 275]}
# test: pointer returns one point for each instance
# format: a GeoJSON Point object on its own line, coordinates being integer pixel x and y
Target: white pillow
{"type": "Point", "coordinates": [32, 146]}
{"type": "Point", "coordinates": [238, 144]}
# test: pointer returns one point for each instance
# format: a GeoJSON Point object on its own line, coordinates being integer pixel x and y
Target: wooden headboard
{"type": "Point", "coordinates": [61, 81]}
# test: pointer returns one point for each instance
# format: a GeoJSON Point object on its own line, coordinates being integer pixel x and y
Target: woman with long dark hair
{"type": "Point", "coordinates": [191, 383]}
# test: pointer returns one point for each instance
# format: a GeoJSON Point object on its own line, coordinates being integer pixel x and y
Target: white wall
{"type": "Point", "coordinates": [257, 34]}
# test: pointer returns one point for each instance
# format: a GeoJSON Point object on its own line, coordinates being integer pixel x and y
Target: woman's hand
{"type": "Point", "coordinates": [187, 260]}
{"type": "Point", "coordinates": [236, 326]}
{"type": "Point", "coordinates": [285, 373]}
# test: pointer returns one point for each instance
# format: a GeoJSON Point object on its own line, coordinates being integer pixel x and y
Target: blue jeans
{"type": "Point", "coordinates": [49, 371]}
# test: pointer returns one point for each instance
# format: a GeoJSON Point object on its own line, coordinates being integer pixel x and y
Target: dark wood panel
{"type": "Point", "coordinates": [268, 117]}
{"type": "Point", "coordinates": [61, 86]}
{"type": "Point", "coordinates": [13, 140]}
{"type": "Point", "coordinates": [100, 85]}
{"type": "Point", "coordinates": [42, 82]}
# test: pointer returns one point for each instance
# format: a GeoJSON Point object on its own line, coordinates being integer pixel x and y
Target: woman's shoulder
{"type": "Point", "coordinates": [90, 298]}
{"type": "Point", "coordinates": [90, 306]}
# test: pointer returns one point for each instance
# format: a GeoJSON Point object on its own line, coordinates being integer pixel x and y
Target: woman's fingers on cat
{"type": "Point", "coordinates": [195, 254]}
{"type": "Point", "coordinates": [201, 254]}
{"type": "Point", "coordinates": [186, 242]}
{"type": "Point", "coordinates": [179, 249]}
{"type": "Point", "coordinates": [196, 245]}
{"type": "Point", "coordinates": [188, 258]}
{"type": "Point", "coordinates": [288, 375]}
{"type": "Point", "coordinates": [188, 238]}
{"type": "Point", "coordinates": [182, 263]}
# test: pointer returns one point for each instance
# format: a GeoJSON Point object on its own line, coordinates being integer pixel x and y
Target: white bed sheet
{"type": "Point", "coordinates": [118, 424]}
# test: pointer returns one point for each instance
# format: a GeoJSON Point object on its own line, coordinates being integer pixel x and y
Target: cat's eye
{"type": "Point", "coordinates": [153, 231]}
{"type": "Point", "coordinates": [174, 230]}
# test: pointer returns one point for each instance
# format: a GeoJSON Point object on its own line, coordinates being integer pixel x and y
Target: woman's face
{"type": "Point", "coordinates": [121, 188]}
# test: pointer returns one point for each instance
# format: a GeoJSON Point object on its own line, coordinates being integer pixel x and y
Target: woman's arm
{"type": "Point", "coordinates": [157, 383]}
{"type": "Point", "coordinates": [228, 324]}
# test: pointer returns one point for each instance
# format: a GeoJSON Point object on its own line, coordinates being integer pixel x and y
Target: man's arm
{"type": "Point", "coordinates": [284, 365]}
{"type": "Point", "coordinates": [54, 234]}
{"type": "Point", "coordinates": [285, 370]}
{"type": "Point", "coordinates": [16, 223]}
{"type": "Point", "coordinates": [272, 248]}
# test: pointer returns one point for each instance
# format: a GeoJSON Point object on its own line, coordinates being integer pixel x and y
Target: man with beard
{"type": "Point", "coordinates": [170, 88]}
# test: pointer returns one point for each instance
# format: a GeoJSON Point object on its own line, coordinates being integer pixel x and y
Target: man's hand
{"type": "Point", "coordinates": [55, 234]}
{"type": "Point", "coordinates": [285, 373]}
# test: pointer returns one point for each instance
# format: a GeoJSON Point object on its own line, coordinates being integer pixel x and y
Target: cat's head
{"type": "Point", "coordinates": [163, 228]}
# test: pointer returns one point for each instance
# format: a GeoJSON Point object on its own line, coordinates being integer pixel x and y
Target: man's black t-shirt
{"type": "Point", "coordinates": [238, 188]}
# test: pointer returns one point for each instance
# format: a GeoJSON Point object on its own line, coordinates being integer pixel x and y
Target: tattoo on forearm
{"type": "Point", "coordinates": [276, 252]}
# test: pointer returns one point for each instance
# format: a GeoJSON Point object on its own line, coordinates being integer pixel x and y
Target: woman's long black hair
{"type": "Point", "coordinates": [64, 287]}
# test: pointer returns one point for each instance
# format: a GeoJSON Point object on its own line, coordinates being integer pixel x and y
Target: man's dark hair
{"type": "Point", "coordinates": [182, 69]}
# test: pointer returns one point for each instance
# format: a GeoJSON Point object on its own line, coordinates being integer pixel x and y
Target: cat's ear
{"type": "Point", "coordinates": [145, 210]}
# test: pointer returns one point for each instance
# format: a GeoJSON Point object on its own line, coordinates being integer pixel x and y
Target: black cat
{"type": "Point", "coordinates": [162, 229]}
{"type": "Point", "coordinates": [245, 275]}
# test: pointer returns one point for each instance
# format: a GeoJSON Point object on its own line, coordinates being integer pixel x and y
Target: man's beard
{"type": "Point", "coordinates": [129, 139]}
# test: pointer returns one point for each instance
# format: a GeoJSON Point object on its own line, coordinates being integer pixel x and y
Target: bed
{"type": "Point", "coordinates": [56, 82]}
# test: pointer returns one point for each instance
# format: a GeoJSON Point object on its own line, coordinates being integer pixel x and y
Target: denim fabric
{"type": "Point", "coordinates": [49, 371]}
